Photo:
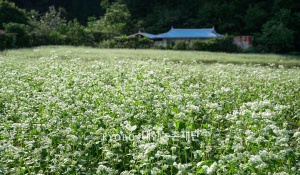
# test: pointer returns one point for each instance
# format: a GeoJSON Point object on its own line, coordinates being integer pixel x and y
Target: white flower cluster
{"type": "Point", "coordinates": [58, 112]}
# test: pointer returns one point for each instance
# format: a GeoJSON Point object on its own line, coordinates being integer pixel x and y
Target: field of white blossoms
{"type": "Point", "coordinates": [63, 113]}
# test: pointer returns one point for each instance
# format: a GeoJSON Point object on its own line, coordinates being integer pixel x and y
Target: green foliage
{"type": "Point", "coordinates": [254, 18]}
{"type": "Point", "coordinates": [6, 40]}
{"type": "Point", "coordinates": [115, 21]}
{"type": "Point", "coordinates": [275, 38]}
{"type": "Point", "coordinates": [9, 13]}
{"type": "Point", "coordinates": [128, 42]}
{"type": "Point", "coordinates": [199, 45]}
{"type": "Point", "coordinates": [56, 38]}
{"type": "Point", "coordinates": [144, 42]}
{"type": "Point", "coordinates": [267, 20]}
{"type": "Point", "coordinates": [95, 27]}
{"type": "Point", "coordinates": [159, 46]}
{"type": "Point", "coordinates": [105, 4]}
{"type": "Point", "coordinates": [181, 45]}
{"type": "Point", "coordinates": [108, 44]}
{"type": "Point", "coordinates": [223, 44]}
{"type": "Point", "coordinates": [21, 32]}
{"type": "Point", "coordinates": [77, 35]}
{"type": "Point", "coordinates": [51, 20]}
{"type": "Point", "coordinates": [47, 29]}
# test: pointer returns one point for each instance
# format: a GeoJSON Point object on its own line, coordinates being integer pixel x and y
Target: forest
{"type": "Point", "coordinates": [274, 24]}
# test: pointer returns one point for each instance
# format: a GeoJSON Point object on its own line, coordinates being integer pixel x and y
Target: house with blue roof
{"type": "Point", "coordinates": [174, 35]}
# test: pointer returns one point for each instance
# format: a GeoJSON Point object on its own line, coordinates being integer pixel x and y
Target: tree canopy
{"type": "Point", "coordinates": [271, 22]}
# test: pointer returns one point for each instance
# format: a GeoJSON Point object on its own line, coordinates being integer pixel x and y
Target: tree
{"type": "Point", "coordinates": [77, 35]}
{"type": "Point", "coordinates": [52, 20]}
{"type": "Point", "coordinates": [21, 33]}
{"type": "Point", "coordinates": [46, 29]}
{"type": "Point", "coordinates": [275, 38]}
{"type": "Point", "coordinates": [6, 40]}
{"type": "Point", "coordinates": [254, 18]}
{"type": "Point", "coordinates": [10, 13]}
{"type": "Point", "coordinates": [116, 20]}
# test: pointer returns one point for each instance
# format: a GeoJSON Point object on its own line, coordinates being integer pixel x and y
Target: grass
{"type": "Point", "coordinates": [78, 110]}
{"type": "Point", "coordinates": [187, 57]}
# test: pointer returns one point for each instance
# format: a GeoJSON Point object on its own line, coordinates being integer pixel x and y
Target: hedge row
{"type": "Point", "coordinates": [127, 42]}
{"type": "Point", "coordinates": [223, 44]}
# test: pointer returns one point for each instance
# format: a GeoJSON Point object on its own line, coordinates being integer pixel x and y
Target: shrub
{"type": "Point", "coordinates": [276, 38]}
{"type": "Point", "coordinates": [57, 38]}
{"type": "Point", "coordinates": [49, 28]}
{"type": "Point", "coordinates": [159, 46]}
{"type": "Point", "coordinates": [108, 44]}
{"type": "Point", "coordinates": [6, 40]}
{"type": "Point", "coordinates": [98, 36]}
{"type": "Point", "coordinates": [37, 39]}
{"type": "Point", "coordinates": [145, 42]}
{"type": "Point", "coordinates": [223, 44]}
{"type": "Point", "coordinates": [199, 45]}
{"type": "Point", "coordinates": [21, 32]}
{"type": "Point", "coordinates": [181, 45]}
{"type": "Point", "coordinates": [133, 42]}
{"type": "Point", "coordinates": [77, 35]}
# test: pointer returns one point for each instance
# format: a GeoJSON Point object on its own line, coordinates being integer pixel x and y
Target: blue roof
{"type": "Point", "coordinates": [189, 33]}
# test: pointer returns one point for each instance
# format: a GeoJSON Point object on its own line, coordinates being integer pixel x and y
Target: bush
{"type": "Point", "coordinates": [38, 39]}
{"type": "Point", "coordinates": [57, 38]}
{"type": "Point", "coordinates": [276, 38]}
{"type": "Point", "coordinates": [199, 45]}
{"type": "Point", "coordinates": [6, 40]}
{"type": "Point", "coordinates": [159, 46]}
{"type": "Point", "coordinates": [21, 32]}
{"type": "Point", "coordinates": [108, 44]}
{"type": "Point", "coordinates": [181, 45]}
{"type": "Point", "coordinates": [49, 29]}
{"type": "Point", "coordinates": [133, 42]}
{"type": "Point", "coordinates": [77, 35]}
{"type": "Point", "coordinates": [98, 36]}
{"type": "Point", "coordinates": [145, 42]}
{"type": "Point", "coordinates": [224, 44]}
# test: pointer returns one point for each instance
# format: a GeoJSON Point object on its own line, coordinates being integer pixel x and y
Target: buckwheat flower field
{"type": "Point", "coordinates": [88, 111]}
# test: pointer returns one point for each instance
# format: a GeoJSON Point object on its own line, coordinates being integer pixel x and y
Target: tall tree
{"type": "Point", "coordinates": [116, 20]}
{"type": "Point", "coordinates": [10, 13]}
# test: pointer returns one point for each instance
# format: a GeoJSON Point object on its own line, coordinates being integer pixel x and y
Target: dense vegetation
{"type": "Point", "coordinates": [274, 24]}
{"type": "Point", "coordinates": [79, 110]}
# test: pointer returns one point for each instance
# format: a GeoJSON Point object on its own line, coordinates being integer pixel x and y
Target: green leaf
{"type": "Point", "coordinates": [34, 132]}
{"type": "Point", "coordinates": [251, 169]}
{"type": "Point", "coordinates": [200, 171]}
{"type": "Point", "coordinates": [22, 170]}
{"type": "Point", "coordinates": [205, 126]}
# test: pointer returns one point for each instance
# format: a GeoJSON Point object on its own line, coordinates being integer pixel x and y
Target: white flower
{"type": "Point", "coordinates": [296, 134]}
{"type": "Point", "coordinates": [155, 171]}
{"type": "Point", "coordinates": [199, 164]}
{"type": "Point", "coordinates": [211, 169]}
{"type": "Point", "coordinates": [173, 148]}
{"type": "Point", "coordinates": [72, 138]}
